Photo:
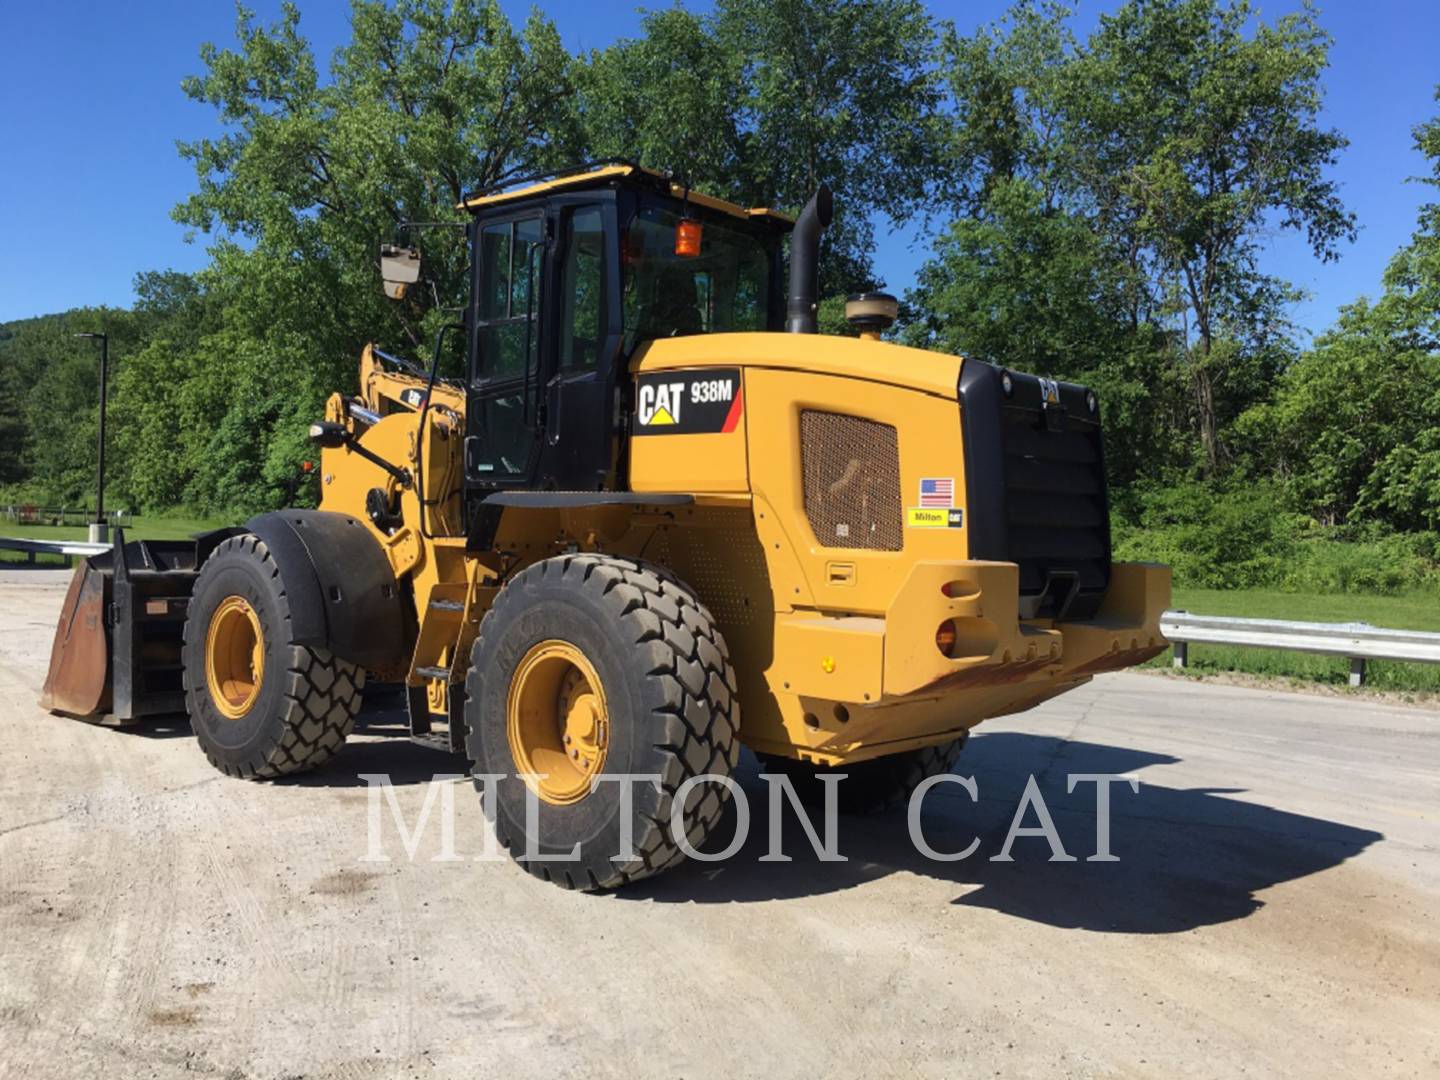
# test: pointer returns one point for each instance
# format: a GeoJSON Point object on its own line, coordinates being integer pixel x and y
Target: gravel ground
{"type": "Point", "coordinates": [1275, 910]}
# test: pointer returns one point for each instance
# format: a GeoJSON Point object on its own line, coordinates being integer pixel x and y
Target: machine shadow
{"type": "Point", "coordinates": [388, 751]}
{"type": "Point", "coordinates": [1188, 857]}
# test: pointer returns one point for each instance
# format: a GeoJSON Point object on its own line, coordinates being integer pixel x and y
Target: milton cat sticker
{"type": "Point", "coordinates": [703, 402]}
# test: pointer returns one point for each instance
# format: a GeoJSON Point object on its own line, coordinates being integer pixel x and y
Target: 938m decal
{"type": "Point", "coordinates": [704, 402]}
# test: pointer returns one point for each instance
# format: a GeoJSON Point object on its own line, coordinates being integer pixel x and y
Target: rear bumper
{"type": "Point", "coordinates": [993, 645]}
{"type": "Point", "coordinates": [900, 691]}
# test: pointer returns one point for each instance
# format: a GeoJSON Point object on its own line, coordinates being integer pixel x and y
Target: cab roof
{"type": "Point", "coordinates": [592, 176]}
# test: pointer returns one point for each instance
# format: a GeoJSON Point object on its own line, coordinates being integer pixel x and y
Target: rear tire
{"type": "Point", "coordinates": [297, 712]}
{"type": "Point", "coordinates": [668, 709]}
{"type": "Point", "coordinates": [869, 787]}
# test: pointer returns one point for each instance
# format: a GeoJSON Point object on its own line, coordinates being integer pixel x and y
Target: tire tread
{"type": "Point", "coordinates": [696, 729]}
{"type": "Point", "coordinates": [322, 694]}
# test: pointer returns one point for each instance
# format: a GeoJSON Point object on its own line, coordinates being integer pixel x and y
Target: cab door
{"type": "Point", "coordinates": [580, 416]}
{"type": "Point", "coordinates": [509, 342]}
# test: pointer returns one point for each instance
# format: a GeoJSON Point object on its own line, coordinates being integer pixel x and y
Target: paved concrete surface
{"type": "Point", "coordinates": [1274, 911]}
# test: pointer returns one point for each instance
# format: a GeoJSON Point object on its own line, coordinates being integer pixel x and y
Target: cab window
{"type": "Point", "coordinates": [582, 288]}
{"type": "Point", "coordinates": [726, 287]}
{"type": "Point", "coordinates": [508, 319]}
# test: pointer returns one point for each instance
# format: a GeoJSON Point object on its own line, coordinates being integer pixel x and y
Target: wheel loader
{"type": "Point", "coordinates": [659, 516]}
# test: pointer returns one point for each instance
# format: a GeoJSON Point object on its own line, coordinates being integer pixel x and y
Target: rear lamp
{"type": "Point", "coordinates": [1006, 383]}
{"type": "Point", "coordinates": [687, 238]}
{"type": "Point", "coordinates": [945, 638]}
{"type": "Point", "coordinates": [1091, 402]}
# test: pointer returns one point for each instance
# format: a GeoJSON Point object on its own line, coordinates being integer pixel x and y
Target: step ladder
{"type": "Point", "coordinates": [435, 690]}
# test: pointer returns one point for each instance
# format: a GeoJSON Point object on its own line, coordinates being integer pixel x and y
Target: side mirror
{"type": "Point", "coordinates": [400, 268]}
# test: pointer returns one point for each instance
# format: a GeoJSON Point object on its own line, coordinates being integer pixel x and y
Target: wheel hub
{"type": "Point", "coordinates": [557, 722]}
{"type": "Point", "coordinates": [234, 657]}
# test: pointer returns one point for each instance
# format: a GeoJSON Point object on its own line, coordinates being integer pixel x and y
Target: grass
{"type": "Point", "coordinates": [1415, 611]}
{"type": "Point", "coordinates": [163, 527]}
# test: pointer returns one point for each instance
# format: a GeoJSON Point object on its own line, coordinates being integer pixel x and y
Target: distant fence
{"type": "Point", "coordinates": [25, 514]}
{"type": "Point", "coordinates": [1358, 642]}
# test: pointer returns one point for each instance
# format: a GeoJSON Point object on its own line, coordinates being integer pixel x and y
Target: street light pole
{"type": "Point", "coordinates": [98, 531]}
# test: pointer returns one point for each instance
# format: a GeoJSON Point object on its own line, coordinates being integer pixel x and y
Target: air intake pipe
{"type": "Point", "coordinates": [804, 300]}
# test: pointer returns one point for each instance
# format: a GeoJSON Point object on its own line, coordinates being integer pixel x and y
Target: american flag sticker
{"type": "Point", "coordinates": [937, 491]}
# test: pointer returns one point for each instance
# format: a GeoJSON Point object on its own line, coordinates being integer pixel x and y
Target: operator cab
{"type": "Point", "coordinates": [570, 275]}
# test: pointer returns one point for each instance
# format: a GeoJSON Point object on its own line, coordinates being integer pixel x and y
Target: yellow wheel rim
{"type": "Point", "coordinates": [557, 722]}
{"type": "Point", "coordinates": [234, 657]}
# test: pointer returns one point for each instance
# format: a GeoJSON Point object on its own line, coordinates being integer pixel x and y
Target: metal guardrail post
{"type": "Point", "coordinates": [1357, 671]}
{"type": "Point", "coordinates": [1182, 653]}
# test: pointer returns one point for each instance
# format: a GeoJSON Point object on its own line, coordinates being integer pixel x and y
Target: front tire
{"type": "Point", "coordinates": [261, 705]}
{"type": "Point", "coordinates": [593, 666]}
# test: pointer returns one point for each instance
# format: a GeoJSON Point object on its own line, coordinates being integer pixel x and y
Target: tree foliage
{"type": "Point", "coordinates": [1355, 425]}
{"type": "Point", "coordinates": [1100, 203]}
{"type": "Point", "coordinates": [761, 101]}
{"type": "Point", "coordinates": [426, 102]}
{"type": "Point", "coordinates": [1112, 199]}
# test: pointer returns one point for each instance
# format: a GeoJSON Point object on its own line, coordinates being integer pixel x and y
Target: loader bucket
{"type": "Point", "coordinates": [117, 651]}
{"type": "Point", "coordinates": [78, 682]}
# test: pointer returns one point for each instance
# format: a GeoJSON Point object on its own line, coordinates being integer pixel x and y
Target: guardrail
{"type": "Point", "coordinates": [1358, 642]}
{"type": "Point", "coordinates": [66, 548]}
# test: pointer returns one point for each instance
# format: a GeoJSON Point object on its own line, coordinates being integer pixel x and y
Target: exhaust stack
{"type": "Point", "coordinates": [804, 299]}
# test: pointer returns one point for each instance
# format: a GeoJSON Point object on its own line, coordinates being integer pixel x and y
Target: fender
{"type": "Point", "coordinates": [342, 592]}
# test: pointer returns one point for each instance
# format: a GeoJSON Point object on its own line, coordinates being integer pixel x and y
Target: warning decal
{"type": "Point", "coordinates": [700, 402]}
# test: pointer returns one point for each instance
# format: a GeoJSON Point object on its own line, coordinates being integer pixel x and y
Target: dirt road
{"type": "Point", "coordinates": [1275, 910]}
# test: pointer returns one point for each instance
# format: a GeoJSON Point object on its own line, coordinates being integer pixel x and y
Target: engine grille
{"type": "Point", "coordinates": [851, 473]}
{"type": "Point", "coordinates": [1035, 479]}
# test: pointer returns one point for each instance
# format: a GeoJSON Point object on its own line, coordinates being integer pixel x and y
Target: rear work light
{"type": "Point", "coordinates": [687, 238]}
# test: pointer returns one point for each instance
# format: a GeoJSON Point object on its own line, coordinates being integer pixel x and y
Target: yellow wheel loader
{"type": "Point", "coordinates": [659, 516]}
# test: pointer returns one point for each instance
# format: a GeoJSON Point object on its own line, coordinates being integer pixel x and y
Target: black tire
{"type": "Point", "coordinates": [869, 787]}
{"type": "Point", "coordinates": [307, 698]}
{"type": "Point", "coordinates": [672, 708]}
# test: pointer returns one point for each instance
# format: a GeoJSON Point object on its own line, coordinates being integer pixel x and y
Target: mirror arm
{"type": "Point", "coordinates": [420, 431]}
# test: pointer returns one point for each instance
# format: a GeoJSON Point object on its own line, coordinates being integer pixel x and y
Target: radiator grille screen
{"type": "Point", "coordinates": [851, 472]}
{"type": "Point", "coordinates": [1055, 514]}
{"type": "Point", "coordinates": [1035, 487]}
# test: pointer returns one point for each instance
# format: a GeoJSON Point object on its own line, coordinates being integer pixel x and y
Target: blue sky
{"type": "Point", "coordinates": [89, 171]}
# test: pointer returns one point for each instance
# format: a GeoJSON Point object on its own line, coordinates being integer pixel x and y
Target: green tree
{"type": "Point", "coordinates": [1200, 126]}
{"type": "Point", "coordinates": [1355, 426]}
{"type": "Point", "coordinates": [666, 99]}
{"type": "Point", "coordinates": [56, 383]}
{"type": "Point", "coordinates": [761, 102]}
{"type": "Point", "coordinates": [14, 447]}
{"type": "Point", "coordinates": [427, 101]}
{"type": "Point", "coordinates": [1112, 195]}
